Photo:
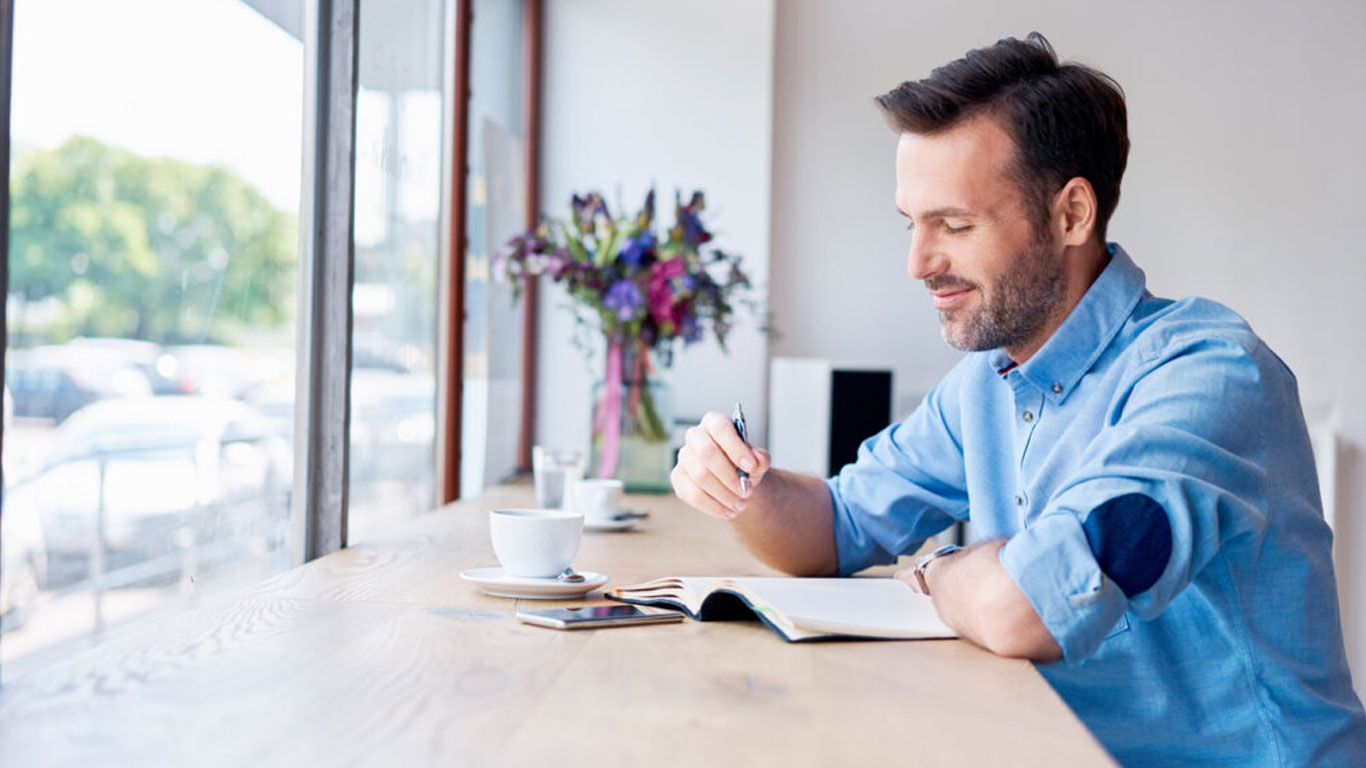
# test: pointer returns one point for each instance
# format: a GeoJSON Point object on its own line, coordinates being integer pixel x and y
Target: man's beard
{"type": "Point", "coordinates": [1016, 306]}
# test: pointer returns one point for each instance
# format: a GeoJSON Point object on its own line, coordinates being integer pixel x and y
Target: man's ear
{"type": "Point", "coordinates": [1074, 212]}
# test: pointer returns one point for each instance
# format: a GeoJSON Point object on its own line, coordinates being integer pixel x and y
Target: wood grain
{"type": "Point", "coordinates": [379, 654]}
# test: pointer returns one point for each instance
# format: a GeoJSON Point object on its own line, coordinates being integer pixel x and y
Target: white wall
{"type": "Point", "coordinates": [678, 95]}
{"type": "Point", "coordinates": [1246, 184]}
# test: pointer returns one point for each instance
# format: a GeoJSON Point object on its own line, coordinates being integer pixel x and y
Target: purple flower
{"type": "Point", "coordinates": [638, 250]}
{"type": "Point", "coordinates": [586, 210]}
{"type": "Point", "coordinates": [624, 298]}
{"type": "Point", "coordinates": [692, 330]}
{"type": "Point", "coordinates": [646, 216]}
{"type": "Point", "coordinates": [688, 228]}
{"type": "Point", "coordinates": [559, 263]}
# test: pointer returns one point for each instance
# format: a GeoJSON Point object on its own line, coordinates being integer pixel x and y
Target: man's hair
{"type": "Point", "coordinates": [1066, 120]}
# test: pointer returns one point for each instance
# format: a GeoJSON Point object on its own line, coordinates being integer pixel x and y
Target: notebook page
{"type": "Point", "coordinates": [867, 607]}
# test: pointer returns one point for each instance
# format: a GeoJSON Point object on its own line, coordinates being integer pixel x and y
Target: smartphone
{"type": "Point", "coordinates": [590, 616]}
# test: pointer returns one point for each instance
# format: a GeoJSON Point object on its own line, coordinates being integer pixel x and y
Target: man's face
{"type": "Point", "coordinates": [997, 280]}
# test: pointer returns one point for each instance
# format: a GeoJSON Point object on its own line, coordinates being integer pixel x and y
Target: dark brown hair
{"type": "Point", "coordinates": [1066, 120]}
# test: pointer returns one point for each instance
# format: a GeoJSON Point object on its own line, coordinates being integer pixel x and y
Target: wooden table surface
{"type": "Point", "coordinates": [380, 654]}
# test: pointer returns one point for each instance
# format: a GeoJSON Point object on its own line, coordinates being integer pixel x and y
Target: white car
{"type": "Point", "coordinates": [164, 472]}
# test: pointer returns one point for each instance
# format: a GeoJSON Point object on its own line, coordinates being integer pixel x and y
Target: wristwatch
{"type": "Point", "coordinates": [922, 562]}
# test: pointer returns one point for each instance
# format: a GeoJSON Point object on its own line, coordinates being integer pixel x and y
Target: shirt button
{"type": "Point", "coordinates": [1057, 388]}
{"type": "Point", "coordinates": [1028, 416]}
{"type": "Point", "coordinates": [1019, 500]}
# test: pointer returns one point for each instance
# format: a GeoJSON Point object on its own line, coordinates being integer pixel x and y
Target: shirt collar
{"type": "Point", "coordinates": [1074, 347]}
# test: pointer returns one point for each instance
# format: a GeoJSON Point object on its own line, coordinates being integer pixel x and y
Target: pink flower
{"type": "Point", "coordinates": [667, 309]}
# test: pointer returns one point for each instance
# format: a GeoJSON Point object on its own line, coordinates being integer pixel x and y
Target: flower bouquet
{"type": "Point", "coordinates": [643, 291]}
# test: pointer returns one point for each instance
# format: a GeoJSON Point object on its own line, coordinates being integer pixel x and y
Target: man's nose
{"type": "Point", "coordinates": [924, 260]}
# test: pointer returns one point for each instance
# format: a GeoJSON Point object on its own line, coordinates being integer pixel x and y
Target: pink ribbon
{"type": "Point", "coordinates": [637, 380]}
{"type": "Point", "coordinates": [611, 416]}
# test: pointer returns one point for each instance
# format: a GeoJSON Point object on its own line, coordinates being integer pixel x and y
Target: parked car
{"type": "Point", "coordinates": [23, 572]}
{"type": "Point", "coordinates": [162, 369]}
{"type": "Point", "coordinates": [165, 472]}
{"type": "Point", "coordinates": [52, 382]}
{"type": "Point", "coordinates": [393, 421]}
{"type": "Point", "coordinates": [219, 371]}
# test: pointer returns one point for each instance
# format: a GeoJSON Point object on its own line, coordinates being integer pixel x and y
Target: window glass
{"type": "Point", "coordinates": [155, 182]}
{"type": "Point", "coordinates": [399, 164]}
{"type": "Point", "coordinates": [491, 416]}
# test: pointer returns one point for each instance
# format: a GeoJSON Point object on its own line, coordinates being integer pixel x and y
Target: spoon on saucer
{"type": "Point", "coordinates": [571, 576]}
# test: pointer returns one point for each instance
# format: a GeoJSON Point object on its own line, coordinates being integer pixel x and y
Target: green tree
{"type": "Point", "coordinates": [147, 248]}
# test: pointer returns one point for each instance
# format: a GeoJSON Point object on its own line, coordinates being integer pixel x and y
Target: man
{"type": "Point", "coordinates": [1137, 470]}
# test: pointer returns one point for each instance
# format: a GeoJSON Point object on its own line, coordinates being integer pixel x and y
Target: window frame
{"type": "Point", "coordinates": [322, 405]}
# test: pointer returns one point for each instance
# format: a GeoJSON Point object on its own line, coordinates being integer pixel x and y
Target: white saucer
{"type": "Point", "coordinates": [609, 524]}
{"type": "Point", "coordinates": [493, 581]}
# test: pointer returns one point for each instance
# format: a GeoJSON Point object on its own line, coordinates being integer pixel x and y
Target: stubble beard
{"type": "Point", "coordinates": [1014, 308]}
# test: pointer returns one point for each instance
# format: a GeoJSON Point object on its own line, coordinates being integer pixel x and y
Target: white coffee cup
{"type": "Point", "coordinates": [598, 500]}
{"type": "Point", "coordinates": [535, 543]}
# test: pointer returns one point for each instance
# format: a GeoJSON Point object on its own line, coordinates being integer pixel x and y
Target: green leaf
{"type": "Point", "coordinates": [607, 253]}
{"type": "Point", "coordinates": [576, 250]}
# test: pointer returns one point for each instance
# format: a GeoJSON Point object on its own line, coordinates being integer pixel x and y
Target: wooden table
{"type": "Point", "coordinates": [381, 655]}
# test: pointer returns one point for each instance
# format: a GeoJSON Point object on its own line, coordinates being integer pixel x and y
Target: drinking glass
{"type": "Point", "coordinates": [555, 471]}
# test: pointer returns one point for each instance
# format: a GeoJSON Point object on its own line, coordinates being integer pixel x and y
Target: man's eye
{"type": "Point", "coordinates": [951, 229]}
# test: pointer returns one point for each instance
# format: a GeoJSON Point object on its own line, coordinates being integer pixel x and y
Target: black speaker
{"type": "Point", "coordinates": [819, 412]}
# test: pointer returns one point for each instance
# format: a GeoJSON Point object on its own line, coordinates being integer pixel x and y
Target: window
{"type": "Point", "coordinates": [495, 211]}
{"type": "Point", "coordinates": [163, 260]}
{"type": "Point", "coordinates": [153, 269]}
{"type": "Point", "coordinates": [399, 163]}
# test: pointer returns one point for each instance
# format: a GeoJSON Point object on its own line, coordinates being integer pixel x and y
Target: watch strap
{"type": "Point", "coordinates": [922, 562]}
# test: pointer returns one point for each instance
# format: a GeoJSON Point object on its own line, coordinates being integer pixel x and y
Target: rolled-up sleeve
{"type": "Point", "coordinates": [1185, 442]}
{"type": "Point", "coordinates": [906, 485]}
{"type": "Point", "coordinates": [1053, 565]}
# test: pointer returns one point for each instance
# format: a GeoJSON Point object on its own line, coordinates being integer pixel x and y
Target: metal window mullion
{"type": "Point", "coordinates": [326, 276]}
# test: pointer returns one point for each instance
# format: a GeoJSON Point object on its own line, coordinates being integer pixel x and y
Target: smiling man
{"type": "Point", "coordinates": [1136, 470]}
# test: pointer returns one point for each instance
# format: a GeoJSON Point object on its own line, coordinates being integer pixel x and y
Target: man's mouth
{"type": "Point", "coordinates": [950, 298]}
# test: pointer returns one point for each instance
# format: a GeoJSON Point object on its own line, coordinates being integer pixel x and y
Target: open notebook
{"type": "Point", "coordinates": [799, 609]}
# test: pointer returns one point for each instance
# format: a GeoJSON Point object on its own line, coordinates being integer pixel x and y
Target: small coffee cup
{"type": "Point", "coordinates": [598, 500]}
{"type": "Point", "coordinates": [535, 543]}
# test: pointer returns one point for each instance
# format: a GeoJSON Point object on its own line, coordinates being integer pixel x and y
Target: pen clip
{"type": "Point", "coordinates": [738, 419]}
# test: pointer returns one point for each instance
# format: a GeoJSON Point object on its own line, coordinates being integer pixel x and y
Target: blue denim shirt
{"type": "Point", "coordinates": [1231, 653]}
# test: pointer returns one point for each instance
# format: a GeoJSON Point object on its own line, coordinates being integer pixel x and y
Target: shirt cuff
{"type": "Point", "coordinates": [1052, 564]}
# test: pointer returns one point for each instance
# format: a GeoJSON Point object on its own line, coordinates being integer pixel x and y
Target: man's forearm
{"type": "Point", "coordinates": [789, 524]}
{"type": "Point", "coordinates": [976, 596]}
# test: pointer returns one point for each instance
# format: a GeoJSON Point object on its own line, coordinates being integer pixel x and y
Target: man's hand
{"type": "Point", "coordinates": [706, 477]}
{"type": "Point", "coordinates": [787, 521]}
{"type": "Point", "coordinates": [975, 595]}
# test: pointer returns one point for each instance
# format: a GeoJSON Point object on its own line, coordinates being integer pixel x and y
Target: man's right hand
{"type": "Point", "coordinates": [706, 477]}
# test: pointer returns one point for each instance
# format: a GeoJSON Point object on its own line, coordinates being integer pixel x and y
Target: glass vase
{"type": "Point", "coordinates": [645, 455]}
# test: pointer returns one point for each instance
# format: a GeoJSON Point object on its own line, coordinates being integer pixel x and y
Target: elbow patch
{"type": "Point", "coordinates": [1131, 539]}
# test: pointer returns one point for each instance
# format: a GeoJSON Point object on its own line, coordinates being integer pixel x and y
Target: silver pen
{"type": "Point", "coordinates": [738, 419]}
